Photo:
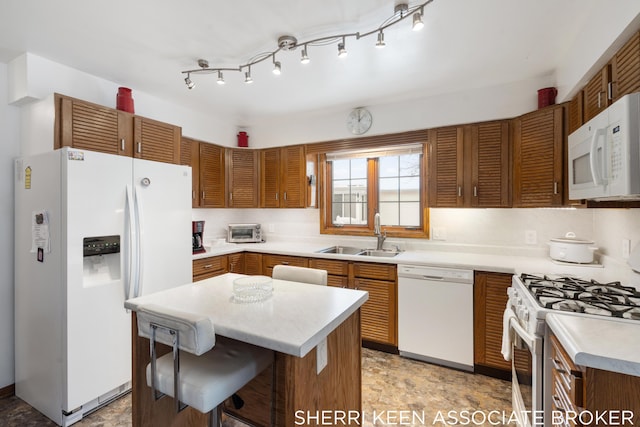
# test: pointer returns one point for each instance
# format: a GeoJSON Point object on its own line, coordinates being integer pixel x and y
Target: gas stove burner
{"type": "Point", "coordinates": [573, 294]}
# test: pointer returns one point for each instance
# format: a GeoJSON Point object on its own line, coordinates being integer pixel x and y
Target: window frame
{"type": "Point", "coordinates": [326, 222]}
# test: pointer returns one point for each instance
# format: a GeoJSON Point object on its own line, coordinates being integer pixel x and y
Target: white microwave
{"type": "Point", "coordinates": [604, 154]}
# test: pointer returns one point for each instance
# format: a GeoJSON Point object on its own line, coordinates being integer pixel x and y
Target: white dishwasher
{"type": "Point", "coordinates": [435, 315]}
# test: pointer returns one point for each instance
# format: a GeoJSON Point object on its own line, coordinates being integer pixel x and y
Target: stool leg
{"type": "Point", "coordinates": [215, 416]}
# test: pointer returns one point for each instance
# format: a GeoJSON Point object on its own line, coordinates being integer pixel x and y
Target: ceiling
{"type": "Point", "coordinates": [145, 44]}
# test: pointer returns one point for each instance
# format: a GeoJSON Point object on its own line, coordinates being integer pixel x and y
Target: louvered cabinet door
{"type": "Point", "coordinates": [243, 178]}
{"type": "Point", "coordinates": [538, 158]}
{"type": "Point", "coordinates": [596, 94]}
{"type": "Point", "coordinates": [88, 126]}
{"type": "Point", "coordinates": [190, 156]}
{"type": "Point", "coordinates": [490, 165]}
{"type": "Point", "coordinates": [625, 69]}
{"type": "Point", "coordinates": [212, 176]}
{"type": "Point", "coordinates": [446, 167]}
{"type": "Point", "coordinates": [293, 177]}
{"type": "Point", "coordinates": [575, 113]}
{"type": "Point", "coordinates": [158, 141]}
{"type": "Point", "coordinates": [270, 178]}
{"type": "Point", "coordinates": [378, 314]}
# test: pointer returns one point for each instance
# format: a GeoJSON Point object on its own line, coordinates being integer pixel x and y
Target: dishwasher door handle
{"type": "Point", "coordinates": [432, 277]}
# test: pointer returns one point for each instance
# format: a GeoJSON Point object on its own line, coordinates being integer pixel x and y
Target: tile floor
{"type": "Point", "coordinates": [395, 391]}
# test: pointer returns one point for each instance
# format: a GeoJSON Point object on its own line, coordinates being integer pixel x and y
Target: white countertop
{"type": "Point", "coordinates": [293, 320]}
{"type": "Point", "coordinates": [610, 345]}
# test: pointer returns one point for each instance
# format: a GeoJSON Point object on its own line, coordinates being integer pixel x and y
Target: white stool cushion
{"type": "Point", "coordinates": [208, 380]}
{"type": "Point", "coordinates": [313, 276]}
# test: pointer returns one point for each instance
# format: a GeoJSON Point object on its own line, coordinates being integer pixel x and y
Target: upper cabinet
{"type": "Point", "coordinates": [88, 126]}
{"type": "Point", "coordinates": [207, 162]}
{"type": "Point", "coordinates": [596, 93]}
{"type": "Point", "coordinates": [190, 156]}
{"type": "Point", "coordinates": [625, 69]}
{"type": "Point", "coordinates": [470, 166]}
{"type": "Point", "coordinates": [283, 177]}
{"type": "Point", "coordinates": [538, 145]}
{"type": "Point", "coordinates": [242, 177]}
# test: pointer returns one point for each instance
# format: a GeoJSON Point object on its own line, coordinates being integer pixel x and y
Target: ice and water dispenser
{"type": "Point", "coordinates": [101, 260]}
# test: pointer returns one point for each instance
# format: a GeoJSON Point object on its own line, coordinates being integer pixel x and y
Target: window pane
{"type": "Point", "coordinates": [410, 165]}
{"type": "Point", "coordinates": [389, 166]}
{"type": "Point", "coordinates": [410, 214]}
{"type": "Point", "coordinates": [389, 189]}
{"type": "Point", "coordinates": [340, 169]}
{"type": "Point", "coordinates": [389, 213]}
{"type": "Point", "coordinates": [349, 191]}
{"type": "Point", "coordinates": [358, 168]}
{"type": "Point", "coordinates": [410, 189]}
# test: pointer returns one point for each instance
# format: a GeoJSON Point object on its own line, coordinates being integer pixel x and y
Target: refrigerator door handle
{"type": "Point", "coordinates": [137, 287]}
{"type": "Point", "coordinates": [131, 243]}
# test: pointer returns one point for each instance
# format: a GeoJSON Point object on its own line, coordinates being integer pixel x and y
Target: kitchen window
{"type": "Point", "coordinates": [359, 184]}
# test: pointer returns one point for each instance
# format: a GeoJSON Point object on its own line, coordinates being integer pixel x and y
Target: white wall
{"type": "Point", "coordinates": [9, 148]}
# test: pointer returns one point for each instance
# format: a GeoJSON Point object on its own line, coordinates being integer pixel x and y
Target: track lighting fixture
{"type": "Point", "coordinates": [304, 57]}
{"type": "Point", "coordinates": [380, 43]}
{"type": "Point", "coordinates": [401, 11]}
{"type": "Point", "coordinates": [189, 83]}
{"type": "Point", "coordinates": [342, 50]}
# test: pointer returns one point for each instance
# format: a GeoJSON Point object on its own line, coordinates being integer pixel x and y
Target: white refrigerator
{"type": "Point", "coordinates": [91, 230]}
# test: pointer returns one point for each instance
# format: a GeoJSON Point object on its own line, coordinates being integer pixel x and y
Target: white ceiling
{"type": "Point", "coordinates": [145, 44]}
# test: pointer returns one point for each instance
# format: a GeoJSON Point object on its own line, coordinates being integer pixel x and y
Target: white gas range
{"type": "Point", "coordinates": [531, 298]}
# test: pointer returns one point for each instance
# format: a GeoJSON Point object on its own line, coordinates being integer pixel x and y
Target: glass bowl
{"type": "Point", "coordinates": [252, 288]}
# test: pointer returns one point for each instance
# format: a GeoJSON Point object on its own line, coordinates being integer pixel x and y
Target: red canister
{"type": "Point", "coordinates": [547, 96]}
{"type": "Point", "coordinates": [243, 139]}
{"type": "Point", "coordinates": [124, 101]}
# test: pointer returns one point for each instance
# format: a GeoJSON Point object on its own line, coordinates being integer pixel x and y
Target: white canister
{"type": "Point", "coordinates": [572, 249]}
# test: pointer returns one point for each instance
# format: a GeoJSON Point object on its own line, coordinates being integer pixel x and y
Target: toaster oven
{"type": "Point", "coordinates": [245, 233]}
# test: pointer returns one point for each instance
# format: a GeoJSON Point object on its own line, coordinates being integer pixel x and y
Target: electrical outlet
{"type": "Point", "coordinates": [626, 248]}
{"type": "Point", "coordinates": [531, 237]}
{"type": "Point", "coordinates": [321, 356]}
{"type": "Point", "coordinates": [271, 228]}
{"type": "Point", "coordinates": [439, 233]}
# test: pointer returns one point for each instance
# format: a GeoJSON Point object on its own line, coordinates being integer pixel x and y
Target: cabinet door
{"type": "Point", "coordinates": [156, 140]}
{"type": "Point", "coordinates": [190, 156]}
{"type": "Point", "coordinates": [625, 69]}
{"type": "Point", "coordinates": [490, 165]}
{"type": "Point", "coordinates": [88, 126]}
{"type": "Point", "coordinates": [293, 177]}
{"type": "Point", "coordinates": [237, 263]}
{"type": "Point", "coordinates": [243, 178]}
{"type": "Point", "coordinates": [205, 268]}
{"type": "Point", "coordinates": [446, 171]}
{"type": "Point", "coordinates": [596, 94]}
{"type": "Point", "coordinates": [212, 176]}
{"type": "Point", "coordinates": [252, 263]}
{"type": "Point", "coordinates": [538, 158]}
{"type": "Point", "coordinates": [575, 113]}
{"type": "Point", "coordinates": [270, 178]}
{"type": "Point", "coordinates": [379, 313]}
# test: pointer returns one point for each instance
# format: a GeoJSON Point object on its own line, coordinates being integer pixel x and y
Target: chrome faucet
{"type": "Point", "coordinates": [376, 231]}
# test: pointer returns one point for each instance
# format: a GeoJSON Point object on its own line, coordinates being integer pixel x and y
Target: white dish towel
{"type": "Point", "coordinates": [507, 333]}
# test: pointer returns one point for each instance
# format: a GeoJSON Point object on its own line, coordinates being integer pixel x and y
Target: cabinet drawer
{"type": "Point", "coordinates": [372, 270]}
{"type": "Point", "coordinates": [566, 374]}
{"type": "Point", "coordinates": [338, 281]}
{"type": "Point", "coordinates": [269, 261]}
{"type": "Point", "coordinates": [209, 266]}
{"type": "Point", "coordinates": [335, 267]}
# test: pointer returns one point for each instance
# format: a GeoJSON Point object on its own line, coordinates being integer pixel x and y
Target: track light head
{"type": "Point", "coordinates": [277, 68]}
{"type": "Point", "coordinates": [188, 82]}
{"type": "Point", "coordinates": [304, 58]}
{"type": "Point", "coordinates": [342, 50]}
{"type": "Point", "coordinates": [247, 76]}
{"type": "Point", "coordinates": [417, 21]}
{"type": "Point", "coordinates": [380, 43]}
{"type": "Point", "coordinates": [220, 78]}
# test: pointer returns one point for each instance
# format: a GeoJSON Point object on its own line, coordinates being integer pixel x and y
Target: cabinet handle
{"type": "Point", "coordinates": [285, 263]}
{"type": "Point", "coordinates": [193, 195]}
{"type": "Point", "coordinates": [139, 147]}
{"type": "Point", "coordinates": [599, 95]}
{"type": "Point", "coordinates": [203, 195]}
{"type": "Point", "coordinates": [230, 197]}
{"type": "Point", "coordinates": [276, 196]}
{"type": "Point", "coordinates": [459, 191]}
{"type": "Point", "coordinates": [475, 191]}
{"type": "Point", "coordinates": [285, 196]}
{"type": "Point", "coordinates": [555, 187]}
{"type": "Point", "coordinates": [208, 266]}
{"type": "Point", "coordinates": [610, 90]}
{"type": "Point", "coordinates": [122, 144]}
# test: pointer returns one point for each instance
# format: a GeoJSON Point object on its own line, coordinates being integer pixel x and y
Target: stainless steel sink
{"type": "Point", "coordinates": [379, 252]}
{"type": "Point", "coordinates": [346, 250]}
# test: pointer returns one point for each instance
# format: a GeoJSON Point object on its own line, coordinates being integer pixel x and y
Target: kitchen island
{"type": "Point", "coordinates": [295, 322]}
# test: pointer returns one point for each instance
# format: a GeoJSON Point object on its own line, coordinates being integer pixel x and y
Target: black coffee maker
{"type": "Point", "coordinates": [198, 231]}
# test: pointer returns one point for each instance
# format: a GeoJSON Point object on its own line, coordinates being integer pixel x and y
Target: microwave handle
{"type": "Point", "coordinates": [596, 168]}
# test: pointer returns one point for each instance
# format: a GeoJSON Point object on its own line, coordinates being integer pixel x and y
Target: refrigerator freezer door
{"type": "Point", "coordinates": [98, 328]}
{"type": "Point", "coordinates": [162, 196]}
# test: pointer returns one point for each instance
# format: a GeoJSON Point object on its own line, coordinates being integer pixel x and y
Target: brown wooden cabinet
{"type": "Point", "coordinates": [237, 263]}
{"type": "Point", "coordinates": [283, 177]}
{"type": "Point", "coordinates": [470, 166]}
{"type": "Point", "coordinates": [242, 178]}
{"type": "Point", "coordinates": [270, 260]}
{"type": "Point", "coordinates": [625, 69]}
{"type": "Point", "coordinates": [208, 172]}
{"type": "Point", "coordinates": [489, 301]}
{"type": "Point", "coordinates": [538, 160]}
{"type": "Point", "coordinates": [337, 270]}
{"type": "Point", "coordinates": [253, 263]}
{"type": "Point", "coordinates": [204, 268]}
{"type": "Point", "coordinates": [575, 113]}
{"type": "Point", "coordinates": [596, 93]}
{"type": "Point", "coordinates": [576, 388]}
{"type": "Point", "coordinates": [87, 126]}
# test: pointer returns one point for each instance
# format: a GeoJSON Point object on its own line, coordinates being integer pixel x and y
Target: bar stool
{"type": "Point", "coordinates": [201, 371]}
{"type": "Point", "coordinates": [313, 276]}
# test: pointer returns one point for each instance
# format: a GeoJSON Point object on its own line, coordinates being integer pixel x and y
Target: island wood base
{"type": "Point", "coordinates": [299, 391]}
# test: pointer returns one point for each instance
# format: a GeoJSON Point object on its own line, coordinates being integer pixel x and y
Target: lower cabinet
{"type": "Point", "coordinates": [576, 388]}
{"type": "Point", "coordinates": [489, 301]}
{"type": "Point", "coordinates": [269, 261]}
{"type": "Point", "coordinates": [205, 268]}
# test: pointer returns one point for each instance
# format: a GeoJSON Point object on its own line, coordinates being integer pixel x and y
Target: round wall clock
{"type": "Point", "coordinates": [359, 121]}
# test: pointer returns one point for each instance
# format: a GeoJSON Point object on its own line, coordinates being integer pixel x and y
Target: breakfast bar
{"type": "Point", "coordinates": [313, 330]}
